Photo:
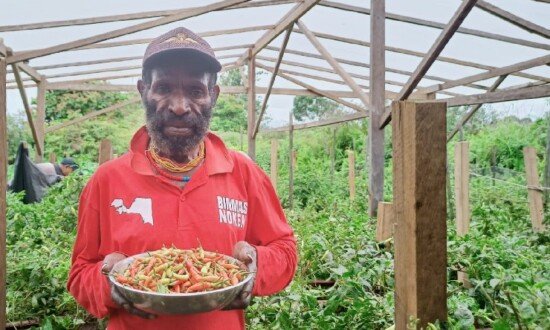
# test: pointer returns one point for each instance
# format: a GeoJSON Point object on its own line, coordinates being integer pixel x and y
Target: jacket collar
{"type": "Point", "coordinates": [217, 158]}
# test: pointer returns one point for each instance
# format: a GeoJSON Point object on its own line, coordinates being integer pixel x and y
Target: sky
{"type": "Point", "coordinates": [319, 19]}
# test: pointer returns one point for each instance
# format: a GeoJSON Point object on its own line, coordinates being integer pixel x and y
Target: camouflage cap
{"type": "Point", "coordinates": [184, 41]}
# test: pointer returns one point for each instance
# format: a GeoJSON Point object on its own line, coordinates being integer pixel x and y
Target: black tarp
{"type": "Point", "coordinates": [27, 177]}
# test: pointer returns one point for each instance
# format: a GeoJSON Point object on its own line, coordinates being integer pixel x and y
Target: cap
{"type": "Point", "coordinates": [182, 40]}
{"type": "Point", "coordinates": [69, 162]}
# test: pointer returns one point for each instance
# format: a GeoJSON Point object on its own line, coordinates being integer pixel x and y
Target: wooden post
{"type": "Point", "coordinates": [295, 159]}
{"type": "Point", "coordinates": [533, 188]}
{"type": "Point", "coordinates": [3, 186]}
{"type": "Point", "coordinates": [105, 151]}
{"type": "Point", "coordinates": [462, 188]}
{"type": "Point", "coordinates": [274, 162]}
{"type": "Point", "coordinates": [385, 222]}
{"type": "Point", "coordinates": [375, 136]}
{"type": "Point", "coordinates": [53, 157]}
{"type": "Point", "coordinates": [41, 118]}
{"type": "Point", "coordinates": [351, 174]}
{"type": "Point", "coordinates": [291, 168]}
{"type": "Point", "coordinates": [251, 104]}
{"type": "Point", "coordinates": [419, 171]}
{"type": "Point", "coordinates": [547, 167]}
{"type": "Point", "coordinates": [333, 154]}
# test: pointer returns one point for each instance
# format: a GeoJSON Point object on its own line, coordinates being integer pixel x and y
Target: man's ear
{"type": "Point", "coordinates": [141, 87]}
{"type": "Point", "coordinates": [215, 94]}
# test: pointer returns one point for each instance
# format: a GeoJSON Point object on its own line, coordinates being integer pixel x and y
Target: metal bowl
{"type": "Point", "coordinates": [176, 303]}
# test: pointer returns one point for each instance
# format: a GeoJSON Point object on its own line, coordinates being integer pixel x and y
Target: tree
{"type": "Point", "coordinates": [314, 107]}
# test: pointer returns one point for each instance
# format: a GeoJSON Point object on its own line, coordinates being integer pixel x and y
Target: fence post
{"type": "Point", "coordinates": [274, 163]}
{"type": "Point", "coordinates": [419, 174]}
{"type": "Point", "coordinates": [3, 186]}
{"type": "Point", "coordinates": [385, 221]}
{"type": "Point", "coordinates": [53, 157]}
{"type": "Point", "coordinates": [533, 188]}
{"type": "Point", "coordinates": [291, 168]}
{"type": "Point", "coordinates": [547, 167]}
{"type": "Point", "coordinates": [462, 188]}
{"type": "Point", "coordinates": [105, 151]}
{"type": "Point", "coordinates": [351, 174]}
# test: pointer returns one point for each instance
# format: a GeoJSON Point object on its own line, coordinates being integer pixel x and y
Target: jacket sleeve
{"type": "Point", "coordinates": [269, 232]}
{"type": "Point", "coordinates": [89, 287]}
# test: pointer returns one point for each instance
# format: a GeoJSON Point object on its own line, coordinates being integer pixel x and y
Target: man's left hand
{"type": "Point", "coordinates": [247, 254]}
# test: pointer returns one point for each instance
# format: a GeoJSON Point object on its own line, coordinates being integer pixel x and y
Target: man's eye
{"type": "Point", "coordinates": [163, 88]}
{"type": "Point", "coordinates": [196, 93]}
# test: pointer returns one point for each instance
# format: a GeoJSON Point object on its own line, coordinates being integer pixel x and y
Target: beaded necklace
{"type": "Point", "coordinates": [165, 174]}
{"type": "Point", "coordinates": [174, 166]}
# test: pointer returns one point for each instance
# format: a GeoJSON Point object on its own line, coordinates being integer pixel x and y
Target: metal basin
{"type": "Point", "coordinates": [176, 303]}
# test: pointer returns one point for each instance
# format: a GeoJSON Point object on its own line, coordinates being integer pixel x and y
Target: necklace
{"type": "Point", "coordinates": [165, 174]}
{"type": "Point", "coordinates": [174, 166]}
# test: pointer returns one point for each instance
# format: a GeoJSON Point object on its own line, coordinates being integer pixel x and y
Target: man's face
{"type": "Point", "coordinates": [178, 106]}
{"type": "Point", "coordinates": [66, 170]}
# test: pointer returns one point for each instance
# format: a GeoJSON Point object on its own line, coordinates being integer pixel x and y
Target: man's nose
{"type": "Point", "coordinates": [180, 106]}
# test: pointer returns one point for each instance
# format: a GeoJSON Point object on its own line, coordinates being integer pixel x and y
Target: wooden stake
{"type": "Point", "coordinates": [351, 174]}
{"type": "Point", "coordinates": [333, 153]}
{"type": "Point", "coordinates": [41, 118]}
{"type": "Point", "coordinates": [291, 168]}
{"type": "Point", "coordinates": [105, 151]}
{"type": "Point", "coordinates": [385, 222]}
{"type": "Point", "coordinates": [251, 105]}
{"type": "Point", "coordinates": [53, 157]}
{"type": "Point", "coordinates": [274, 162]}
{"type": "Point", "coordinates": [3, 185]}
{"type": "Point", "coordinates": [295, 159]}
{"type": "Point", "coordinates": [419, 173]}
{"type": "Point", "coordinates": [462, 188]}
{"type": "Point", "coordinates": [534, 189]}
{"type": "Point", "coordinates": [547, 167]}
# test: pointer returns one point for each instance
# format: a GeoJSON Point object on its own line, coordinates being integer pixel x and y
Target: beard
{"type": "Point", "coordinates": [176, 147]}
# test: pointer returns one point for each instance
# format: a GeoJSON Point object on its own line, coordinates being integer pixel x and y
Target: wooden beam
{"type": "Point", "coordinates": [437, 25]}
{"type": "Point", "coordinates": [501, 96]}
{"type": "Point", "coordinates": [3, 186]}
{"type": "Point", "coordinates": [334, 64]}
{"type": "Point", "coordinates": [473, 110]}
{"type": "Point", "coordinates": [375, 137]}
{"type": "Point", "coordinates": [462, 187]}
{"type": "Point", "coordinates": [27, 107]}
{"type": "Point", "coordinates": [546, 181]}
{"type": "Point", "coordinates": [290, 163]}
{"type": "Point", "coordinates": [513, 19]}
{"type": "Point", "coordinates": [251, 105]}
{"type": "Point", "coordinates": [319, 123]}
{"type": "Point", "coordinates": [84, 63]}
{"type": "Point", "coordinates": [284, 23]}
{"type": "Point", "coordinates": [105, 151]}
{"type": "Point", "coordinates": [384, 222]}
{"type": "Point", "coordinates": [40, 125]}
{"type": "Point", "coordinates": [436, 49]}
{"type": "Point", "coordinates": [272, 81]}
{"type": "Point", "coordinates": [543, 60]}
{"type": "Point", "coordinates": [327, 94]}
{"type": "Point", "coordinates": [419, 174]}
{"type": "Point", "coordinates": [534, 190]}
{"type": "Point", "coordinates": [128, 17]}
{"type": "Point", "coordinates": [179, 15]}
{"type": "Point", "coordinates": [30, 71]}
{"type": "Point", "coordinates": [93, 114]}
{"type": "Point", "coordinates": [86, 72]}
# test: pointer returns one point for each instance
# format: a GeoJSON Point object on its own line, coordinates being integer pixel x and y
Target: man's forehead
{"type": "Point", "coordinates": [178, 71]}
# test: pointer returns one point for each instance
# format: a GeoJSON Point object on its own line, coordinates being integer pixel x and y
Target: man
{"type": "Point", "coordinates": [179, 185]}
{"type": "Point", "coordinates": [66, 167]}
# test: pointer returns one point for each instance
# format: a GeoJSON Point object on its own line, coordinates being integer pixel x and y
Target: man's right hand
{"type": "Point", "coordinates": [108, 263]}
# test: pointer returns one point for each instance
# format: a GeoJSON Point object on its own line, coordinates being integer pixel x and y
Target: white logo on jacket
{"type": "Point", "coordinates": [232, 211]}
{"type": "Point", "coordinates": [141, 206]}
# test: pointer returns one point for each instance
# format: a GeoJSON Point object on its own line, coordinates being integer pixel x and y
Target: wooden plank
{"type": "Point", "coordinates": [290, 165]}
{"type": "Point", "coordinates": [513, 19]}
{"type": "Point", "coordinates": [384, 222]}
{"type": "Point", "coordinates": [86, 72]}
{"type": "Point", "coordinates": [351, 175]}
{"type": "Point", "coordinates": [272, 81]}
{"type": "Point", "coordinates": [93, 114]}
{"type": "Point", "coordinates": [284, 23]}
{"type": "Point", "coordinates": [437, 25]}
{"type": "Point", "coordinates": [420, 212]}
{"type": "Point", "coordinates": [462, 187]}
{"type": "Point", "coordinates": [3, 186]}
{"type": "Point", "coordinates": [27, 107]}
{"type": "Point", "coordinates": [105, 151]}
{"type": "Point", "coordinates": [180, 15]}
{"type": "Point", "coordinates": [251, 117]}
{"type": "Point", "coordinates": [128, 17]}
{"type": "Point", "coordinates": [274, 162]}
{"type": "Point", "coordinates": [436, 49]}
{"type": "Point", "coordinates": [534, 190]}
{"type": "Point", "coordinates": [40, 124]}
{"type": "Point", "coordinates": [501, 96]}
{"type": "Point", "coordinates": [334, 64]}
{"type": "Point", "coordinates": [375, 137]}
{"type": "Point", "coordinates": [319, 123]}
{"type": "Point", "coordinates": [473, 110]}
{"type": "Point", "coordinates": [543, 60]}
{"type": "Point", "coordinates": [318, 92]}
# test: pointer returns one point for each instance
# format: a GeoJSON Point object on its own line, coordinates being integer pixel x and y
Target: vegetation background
{"type": "Point", "coordinates": [507, 263]}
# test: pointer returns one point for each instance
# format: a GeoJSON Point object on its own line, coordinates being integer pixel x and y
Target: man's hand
{"type": "Point", "coordinates": [247, 254]}
{"type": "Point", "coordinates": [108, 263]}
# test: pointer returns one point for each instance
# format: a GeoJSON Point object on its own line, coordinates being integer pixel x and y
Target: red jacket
{"type": "Point", "coordinates": [126, 208]}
